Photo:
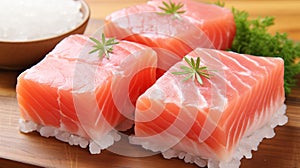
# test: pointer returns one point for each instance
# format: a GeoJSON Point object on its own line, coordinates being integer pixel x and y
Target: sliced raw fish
{"type": "Point", "coordinates": [80, 94]}
{"type": "Point", "coordinates": [208, 122]}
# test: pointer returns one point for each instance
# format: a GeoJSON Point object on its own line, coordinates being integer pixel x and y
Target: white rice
{"type": "Point", "coordinates": [246, 145]}
{"type": "Point", "coordinates": [22, 20]}
{"type": "Point", "coordinates": [62, 135]}
{"type": "Point", "coordinates": [244, 148]}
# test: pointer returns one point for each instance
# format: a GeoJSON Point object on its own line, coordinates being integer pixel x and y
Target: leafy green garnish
{"type": "Point", "coordinates": [172, 9]}
{"type": "Point", "coordinates": [105, 47]}
{"type": "Point", "coordinates": [194, 70]}
{"type": "Point", "coordinates": [219, 3]}
{"type": "Point", "coordinates": [252, 37]}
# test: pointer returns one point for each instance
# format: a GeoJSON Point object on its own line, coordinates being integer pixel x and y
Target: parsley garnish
{"type": "Point", "coordinates": [252, 37]}
{"type": "Point", "coordinates": [172, 9]}
{"type": "Point", "coordinates": [105, 47]}
{"type": "Point", "coordinates": [194, 70]}
{"type": "Point", "coordinates": [219, 3]}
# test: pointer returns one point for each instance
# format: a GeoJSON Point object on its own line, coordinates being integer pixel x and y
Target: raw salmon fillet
{"type": "Point", "coordinates": [77, 93]}
{"type": "Point", "coordinates": [207, 122]}
{"type": "Point", "coordinates": [201, 25]}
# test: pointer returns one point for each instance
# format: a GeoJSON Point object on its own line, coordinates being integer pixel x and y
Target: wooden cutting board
{"type": "Point", "coordinates": [31, 150]}
{"type": "Point", "coordinates": [283, 151]}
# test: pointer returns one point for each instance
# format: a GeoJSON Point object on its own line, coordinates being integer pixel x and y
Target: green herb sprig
{"type": "Point", "coordinates": [105, 47]}
{"type": "Point", "coordinates": [172, 8]}
{"type": "Point", "coordinates": [252, 37]}
{"type": "Point", "coordinates": [220, 3]}
{"type": "Point", "coordinates": [193, 71]}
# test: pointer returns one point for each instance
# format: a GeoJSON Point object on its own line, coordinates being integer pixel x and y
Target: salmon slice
{"type": "Point", "coordinates": [78, 93]}
{"type": "Point", "coordinates": [209, 121]}
{"type": "Point", "coordinates": [201, 25]}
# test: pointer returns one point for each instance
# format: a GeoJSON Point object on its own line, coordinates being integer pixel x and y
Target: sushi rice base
{"type": "Point", "coordinates": [244, 148]}
{"type": "Point", "coordinates": [65, 136]}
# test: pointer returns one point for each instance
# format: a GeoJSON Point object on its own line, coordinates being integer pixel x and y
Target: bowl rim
{"type": "Point", "coordinates": [86, 16]}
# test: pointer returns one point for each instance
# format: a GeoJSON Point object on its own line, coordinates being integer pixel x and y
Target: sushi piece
{"type": "Point", "coordinates": [173, 35]}
{"type": "Point", "coordinates": [74, 96]}
{"type": "Point", "coordinates": [218, 122]}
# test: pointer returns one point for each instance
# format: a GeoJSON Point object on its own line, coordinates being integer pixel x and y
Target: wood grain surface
{"type": "Point", "coordinates": [282, 151]}
{"type": "Point", "coordinates": [32, 150]}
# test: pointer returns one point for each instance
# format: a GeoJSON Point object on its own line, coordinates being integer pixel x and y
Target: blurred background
{"type": "Point", "coordinates": [272, 152]}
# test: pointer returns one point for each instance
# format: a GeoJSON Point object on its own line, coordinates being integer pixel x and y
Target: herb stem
{"type": "Point", "coordinates": [194, 70]}
{"type": "Point", "coordinates": [171, 9]}
{"type": "Point", "coordinates": [104, 47]}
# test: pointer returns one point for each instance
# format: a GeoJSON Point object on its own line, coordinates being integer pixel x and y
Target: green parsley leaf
{"type": "Point", "coordinates": [252, 37]}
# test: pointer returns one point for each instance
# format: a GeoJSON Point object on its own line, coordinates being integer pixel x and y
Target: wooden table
{"type": "Point", "coordinates": [31, 150]}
